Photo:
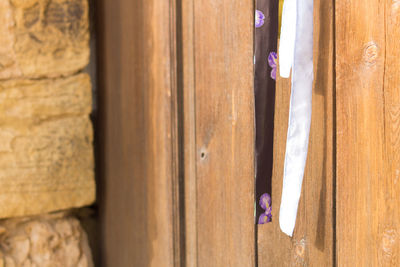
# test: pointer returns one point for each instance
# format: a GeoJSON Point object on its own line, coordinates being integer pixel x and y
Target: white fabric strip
{"type": "Point", "coordinates": [287, 38]}
{"type": "Point", "coordinates": [299, 115]}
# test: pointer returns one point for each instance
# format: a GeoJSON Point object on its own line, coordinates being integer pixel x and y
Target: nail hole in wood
{"type": "Point", "coordinates": [203, 154]}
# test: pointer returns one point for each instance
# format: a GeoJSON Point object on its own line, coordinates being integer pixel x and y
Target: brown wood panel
{"type": "Point", "coordinates": [218, 79]}
{"type": "Point", "coordinates": [138, 133]}
{"type": "Point", "coordinates": [389, 186]}
{"type": "Point", "coordinates": [368, 146]}
{"type": "Point", "coordinates": [313, 240]}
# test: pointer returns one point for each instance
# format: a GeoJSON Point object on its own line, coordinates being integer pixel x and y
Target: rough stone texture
{"type": "Point", "coordinates": [46, 153]}
{"type": "Point", "coordinates": [43, 38]}
{"type": "Point", "coordinates": [54, 240]}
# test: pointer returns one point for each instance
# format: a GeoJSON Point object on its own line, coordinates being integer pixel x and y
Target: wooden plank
{"type": "Point", "coordinates": [312, 243]}
{"type": "Point", "coordinates": [367, 133]}
{"type": "Point", "coordinates": [389, 187]}
{"type": "Point", "coordinates": [224, 120]}
{"type": "Point", "coordinates": [136, 133]}
{"type": "Point", "coordinates": [360, 130]}
{"type": "Point", "coordinates": [189, 130]}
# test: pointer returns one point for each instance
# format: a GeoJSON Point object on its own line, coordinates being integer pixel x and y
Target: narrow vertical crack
{"type": "Point", "coordinates": [334, 141]}
{"type": "Point", "coordinates": [177, 119]}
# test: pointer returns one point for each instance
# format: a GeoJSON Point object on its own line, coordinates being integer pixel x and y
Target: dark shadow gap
{"type": "Point", "coordinates": [178, 42]}
{"type": "Point", "coordinates": [334, 159]}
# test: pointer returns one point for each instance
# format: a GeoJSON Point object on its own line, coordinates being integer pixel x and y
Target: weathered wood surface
{"type": "Point", "coordinates": [368, 132]}
{"type": "Point", "coordinates": [218, 130]}
{"type": "Point", "coordinates": [313, 240]}
{"type": "Point", "coordinates": [43, 38]}
{"type": "Point", "coordinates": [53, 240]}
{"type": "Point", "coordinates": [136, 164]}
{"type": "Point", "coordinates": [46, 152]}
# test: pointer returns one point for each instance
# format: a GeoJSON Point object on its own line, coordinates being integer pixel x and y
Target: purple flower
{"type": "Point", "coordinates": [272, 61]}
{"type": "Point", "coordinates": [263, 219]}
{"type": "Point", "coordinates": [259, 19]}
{"type": "Point", "coordinates": [265, 203]}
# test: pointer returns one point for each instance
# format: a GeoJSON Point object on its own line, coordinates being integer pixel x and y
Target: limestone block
{"type": "Point", "coordinates": [43, 38]}
{"type": "Point", "coordinates": [55, 240]}
{"type": "Point", "coordinates": [46, 152]}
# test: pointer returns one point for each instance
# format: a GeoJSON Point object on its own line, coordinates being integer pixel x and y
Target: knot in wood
{"type": "Point", "coordinates": [395, 7]}
{"type": "Point", "coordinates": [370, 53]}
{"type": "Point", "coordinates": [388, 241]}
{"type": "Point", "coordinates": [300, 248]}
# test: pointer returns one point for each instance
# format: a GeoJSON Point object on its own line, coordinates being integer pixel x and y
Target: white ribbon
{"type": "Point", "coordinates": [287, 38]}
{"type": "Point", "coordinates": [296, 52]}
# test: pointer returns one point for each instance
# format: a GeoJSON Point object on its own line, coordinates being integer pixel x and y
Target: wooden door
{"type": "Point", "coordinates": [176, 137]}
{"type": "Point", "coordinates": [176, 133]}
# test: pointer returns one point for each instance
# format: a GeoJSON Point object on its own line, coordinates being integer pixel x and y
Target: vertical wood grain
{"type": "Point", "coordinates": [137, 134]}
{"type": "Point", "coordinates": [360, 129]}
{"type": "Point", "coordinates": [313, 240]}
{"type": "Point", "coordinates": [368, 147]}
{"type": "Point", "coordinates": [219, 79]}
{"type": "Point", "coordinates": [189, 130]}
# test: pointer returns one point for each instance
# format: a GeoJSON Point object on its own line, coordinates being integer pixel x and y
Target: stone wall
{"type": "Point", "coordinates": [55, 240]}
{"type": "Point", "coordinates": [46, 136]}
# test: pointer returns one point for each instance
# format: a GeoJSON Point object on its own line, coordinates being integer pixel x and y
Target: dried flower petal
{"type": "Point", "coordinates": [264, 218]}
{"type": "Point", "coordinates": [265, 201]}
{"type": "Point", "coordinates": [272, 61]}
{"type": "Point", "coordinates": [259, 19]}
